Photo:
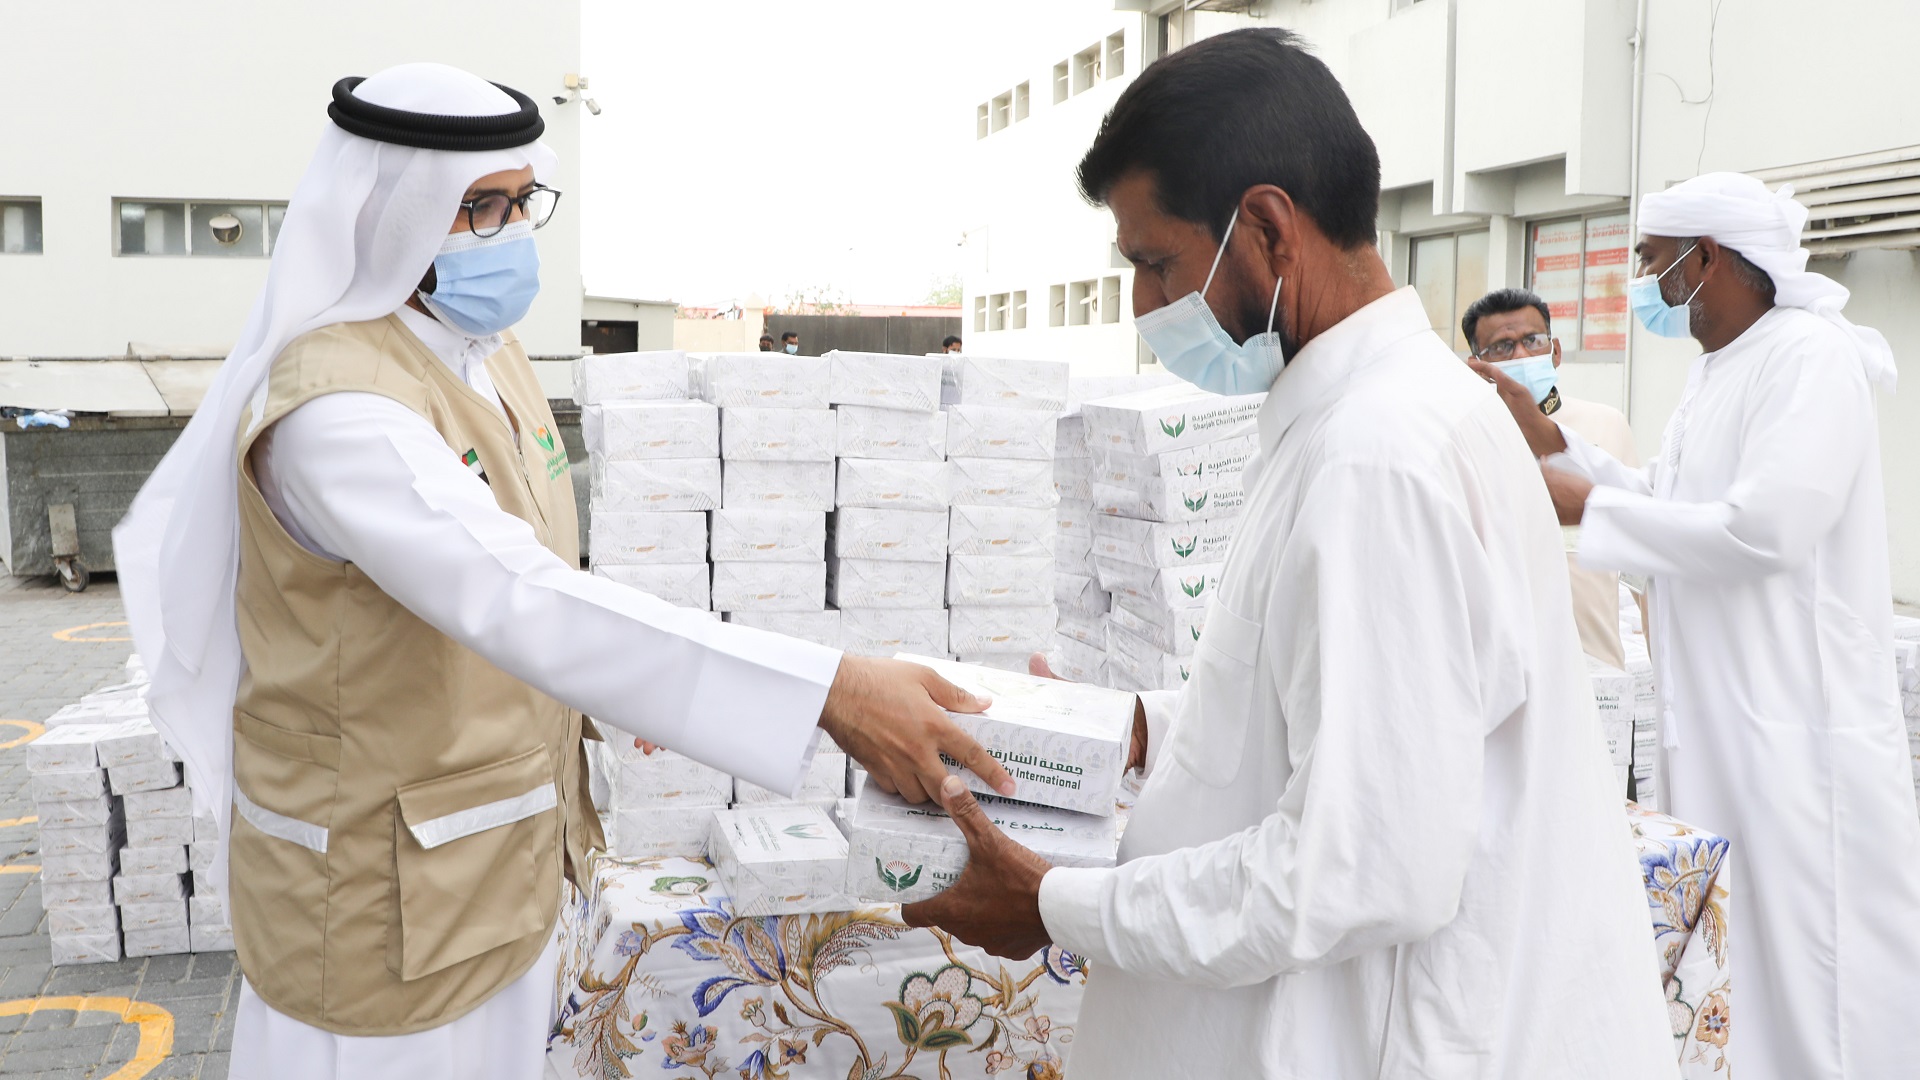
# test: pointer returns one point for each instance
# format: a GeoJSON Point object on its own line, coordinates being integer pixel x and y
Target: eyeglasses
{"type": "Point", "coordinates": [1534, 344]}
{"type": "Point", "coordinates": [488, 214]}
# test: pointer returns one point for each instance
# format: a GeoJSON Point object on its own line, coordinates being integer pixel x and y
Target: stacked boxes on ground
{"type": "Point", "coordinates": [1002, 420]}
{"type": "Point", "coordinates": [1166, 486]}
{"type": "Point", "coordinates": [654, 472]}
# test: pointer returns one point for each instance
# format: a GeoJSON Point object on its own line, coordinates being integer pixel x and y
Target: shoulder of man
{"type": "Point", "coordinates": [349, 355]}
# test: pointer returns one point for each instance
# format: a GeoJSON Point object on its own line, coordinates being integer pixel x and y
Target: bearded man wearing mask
{"type": "Point", "coordinates": [1379, 836]}
{"type": "Point", "coordinates": [355, 582]}
{"type": "Point", "coordinates": [1762, 528]}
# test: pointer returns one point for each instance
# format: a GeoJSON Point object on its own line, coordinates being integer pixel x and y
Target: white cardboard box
{"type": "Point", "coordinates": [1017, 662]}
{"type": "Point", "coordinates": [1075, 520]}
{"type": "Point", "coordinates": [206, 827]}
{"type": "Point", "coordinates": [634, 376]}
{"type": "Point", "coordinates": [159, 832]}
{"type": "Point", "coordinates": [763, 380]}
{"type": "Point", "coordinates": [663, 778]}
{"type": "Point", "coordinates": [1065, 744]}
{"type": "Point", "coordinates": [72, 894]}
{"type": "Point", "coordinates": [1002, 482]}
{"type": "Point", "coordinates": [884, 380]}
{"type": "Point", "coordinates": [167, 914]}
{"type": "Point", "coordinates": [166, 859]}
{"type": "Point", "coordinates": [1613, 702]}
{"type": "Point", "coordinates": [1078, 661]}
{"type": "Point", "coordinates": [1084, 628]}
{"type": "Point", "coordinates": [777, 485]}
{"type": "Point", "coordinates": [1070, 438]}
{"type": "Point", "coordinates": [169, 802]}
{"type": "Point", "coordinates": [1080, 592]}
{"type": "Point", "coordinates": [67, 748]}
{"type": "Point", "coordinates": [680, 584]}
{"type": "Point", "coordinates": [1174, 630]}
{"type": "Point", "coordinates": [1073, 479]}
{"type": "Point", "coordinates": [1001, 530]}
{"type": "Point", "coordinates": [642, 430]}
{"type": "Point", "coordinates": [666, 485]}
{"type": "Point", "coordinates": [1163, 544]}
{"type": "Point", "coordinates": [148, 888]}
{"type": "Point", "coordinates": [165, 941]}
{"type": "Point", "coordinates": [86, 949]}
{"type": "Point", "coordinates": [885, 484]}
{"type": "Point", "coordinates": [988, 431]}
{"type": "Point", "coordinates": [887, 631]}
{"type": "Point", "coordinates": [976, 631]}
{"type": "Point", "coordinates": [134, 742]}
{"type": "Point", "coordinates": [819, 627]}
{"type": "Point", "coordinates": [207, 911]}
{"type": "Point", "coordinates": [891, 434]}
{"type": "Point", "coordinates": [780, 860]}
{"type": "Point", "coordinates": [778, 434]}
{"type": "Point", "coordinates": [769, 535]}
{"type": "Point", "coordinates": [826, 780]}
{"type": "Point", "coordinates": [1168, 418]}
{"type": "Point", "coordinates": [861, 532]}
{"type": "Point", "coordinates": [94, 812]}
{"type": "Point", "coordinates": [83, 921]}
{"type": "Point", "coordinates": [1224, 499]}
{"type": "Point", "coordinates": [1199, 466]}
{"type": "Point", "coordinates": [885, 583]}
{"type": "Point", "coordinates": [67, 785]}
{"type": "Point", "coordinates": [206, 939]}
{"type": "Point", "coordinates": [1019, 384]}
{"type": "Point", "coordinates": [629, 538]}
{"type": "Point", "coordinates": [1135, 664]}
{"type": "Point", "coordinates": [1000, 581]}
{"type": "Point", "coordinates": [899, 852]}
{"type": "Point", "coordinates": [145, 776]}
{"type": "Point", "coordinates": [1178, 586]}
{"type": "Point", "coordinates": [655, 831]}
{"type": "Point", "coordinates": [769, 586]}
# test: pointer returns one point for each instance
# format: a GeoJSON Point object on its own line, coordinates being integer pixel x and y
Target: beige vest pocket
{"type": "Point", "coordinates": [472, 850]}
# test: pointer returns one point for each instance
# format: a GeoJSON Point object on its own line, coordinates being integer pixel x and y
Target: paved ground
{"type": "Point", "coordinates": [83, 1036]}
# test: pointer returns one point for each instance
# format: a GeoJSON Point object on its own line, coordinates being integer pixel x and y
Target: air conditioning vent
{"type": "Point", "coordinates": [1859, 202]}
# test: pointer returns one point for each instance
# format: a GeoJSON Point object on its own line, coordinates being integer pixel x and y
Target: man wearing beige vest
{"type": "Point", "coordinates": [1511, 333]}
{"type": "Point", "coordinates": [356, 581]}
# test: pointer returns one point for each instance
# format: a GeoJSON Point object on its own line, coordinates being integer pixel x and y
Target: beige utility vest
{"type": "Point", "coordinates": [403, 810]}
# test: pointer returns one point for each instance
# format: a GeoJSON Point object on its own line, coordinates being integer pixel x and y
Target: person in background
{"type": "Point", "coordinates": [790, 343]}
{"type": "Point", "coordinates": [766, 342]}
{"type": "Point", "coordinates": [1378, 835]}
{"type": "Point", "coordinates": [1510, 333]}
{"type": "Point", "coordinates": [1762, 526]}
{"type": "Point", "coordinates": [951, 343]}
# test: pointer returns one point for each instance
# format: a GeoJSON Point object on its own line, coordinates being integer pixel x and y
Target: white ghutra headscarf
{"type": "Point", "coordinates": [1740, 213]}
{"type": "Point", "coordinates": [361, 229]}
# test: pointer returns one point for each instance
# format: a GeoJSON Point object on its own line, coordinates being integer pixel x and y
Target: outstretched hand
{"type": "Point", "coordinates": [1542, 434]}
{"type": "Point", "coordinates": [891, 716]}
{"type": "Point", "coordinates": [995, 904]}
{"type": "Point", "coordinates": [1137, 750]}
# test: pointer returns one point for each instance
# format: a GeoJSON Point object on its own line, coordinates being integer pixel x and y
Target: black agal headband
{"type": "Point", "coordinates": [431, 131]}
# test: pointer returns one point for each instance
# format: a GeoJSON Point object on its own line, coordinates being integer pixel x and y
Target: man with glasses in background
{"type": "Point", "coordinates": [1511, 334]}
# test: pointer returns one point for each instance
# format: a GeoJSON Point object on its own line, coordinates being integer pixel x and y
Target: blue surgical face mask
{"type": "Point", "coordinates": [793, 350]}
{"type": "Point", "coordinates": [1188, 339]}
{"type": "Point", "coordinates": [484, 284]}
{"type": "Point", "coordinates": [1652, 309]}
{"type": "Point", "coordinates": [1536, 373]}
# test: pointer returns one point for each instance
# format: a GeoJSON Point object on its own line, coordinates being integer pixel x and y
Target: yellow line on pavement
{"type": "Point", "coordinates": [156, 1026]}
{"type": "Point", "coordinates": [33, 730]}
{"type": "Point", "coordinates": [69, 632]}
{"type": "Point", "coordinates": [19, 868]}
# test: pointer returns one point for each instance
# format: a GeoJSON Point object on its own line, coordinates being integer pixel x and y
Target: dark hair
{"type": "Point", "coordinates": [1743, 269]}
{"type": "Point", "coordinates": [950, 339]}
{"type": "Point", "coordinates": [790, 335]}
{"type": "Point", "coordinates": [1499, 302]}
{"type": "Point", "coordinates": [1230, 112]}
{"type": "Point", "coordinates": [766, 337]}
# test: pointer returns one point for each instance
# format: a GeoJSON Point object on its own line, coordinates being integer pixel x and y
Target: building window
{"type": "Point", "coordinates": [1083, 302]}
{"type": "Point", "coordinates": [1020, 103]}
{"type": "Point", "coordinates": [1086, 69]}
{"type": "Point", "coordinates": [997, 311]}
{"type": "Point", "coordinates": [981, 122]}
{"type": "Point", "coordinates": [1110, 299]}
{"type": "Point", "coordinates": [1003, 111]}
{"type": "Point", "coordinates": [1116, 55]}
{"type": "Point", "coordinates": [1580, 266]}
{"type": "Point", "coordinates": [211, 230]}
{"type": "Point", "coordinates": [1056, 305]}
{"type": "Point", "coordinates": [20, 227]}
{"type": "Point", "coordinates": [1019, 314]}
{"type": "Point", "coordinates": [980, 314]}
{"type": "Point", "coordinates": [1062, 82]}
{"type": "Point", "coordinates": [1449, 273]}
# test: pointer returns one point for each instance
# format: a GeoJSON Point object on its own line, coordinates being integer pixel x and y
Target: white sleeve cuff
{"type": "Point", "coordinates": [1071, 899]}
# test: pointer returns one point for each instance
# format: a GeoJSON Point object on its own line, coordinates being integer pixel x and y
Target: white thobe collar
{"type": "Point", "coordinates": [464, 354]}
{"type": "Point", "coordinates": [1328, 360]}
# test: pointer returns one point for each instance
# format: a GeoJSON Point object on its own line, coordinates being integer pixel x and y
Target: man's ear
{"type": "Point", "coordinates": [1556, 354]}
{"type": "Point", "coordinates": [1712, 258]}
{"type": "Point", "coordinates": [1269, 213]}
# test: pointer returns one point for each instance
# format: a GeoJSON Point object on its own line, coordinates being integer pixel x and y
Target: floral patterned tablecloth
{"type": "Point", "coordinates": [660, 979]}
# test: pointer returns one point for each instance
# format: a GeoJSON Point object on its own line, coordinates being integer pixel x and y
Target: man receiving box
{"type": "Point", "coordinates": [1379, 836]}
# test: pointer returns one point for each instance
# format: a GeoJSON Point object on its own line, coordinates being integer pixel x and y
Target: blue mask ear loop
{"type": "Point", "coordinates": [1275, 309]}
{"type": "Point", "coordinates": [1223, 250]}
{"type": "Point", "coordinates": [1669, 270]}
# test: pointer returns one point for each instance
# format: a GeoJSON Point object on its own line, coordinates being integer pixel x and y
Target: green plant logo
{"type": "Point", "coordinates": [1195, 504]}
{"type": "Point", "coordinates": [1174, 430]}
{"type": "Point", "coordinates": [1195, 631]}
{"type": "Point", "coordinates": [1185, 673]}
{"type": "Point", "coordinates": [898, 876]}
{"type": "Point", "coordinates": [1186, 549]}
{"type": "Point", "coordinates": [544, 437]}
{"type": "Point", "coordinates": [1193, 586]}
{"type": "Point", "coordinates": [804, 831]}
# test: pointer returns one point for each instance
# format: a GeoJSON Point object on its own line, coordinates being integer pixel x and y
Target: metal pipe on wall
{"type": "Point", "coordinates": [1633, 189]}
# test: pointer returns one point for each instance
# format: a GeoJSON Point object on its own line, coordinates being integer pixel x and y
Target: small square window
{"type": "Point", "coordinates": [1056, 305]}
{"type": "Point", "coordinates": [224, 231]}
{"type": "Point", "coordinates": [1018, 319]}
{"type": "Point", "coordinates": [153, 228]}
{"type": "Point", "coordinates": [1062, 82]}
{"type": "Point", "coordinates": [1110, 299]}
{"type": "Point", "coordinates": [997, 311]}
{"type": "Point", "coordinates": [1003, 111]}
{"type": "Point", "coordinates": [20, 227]}
{"type": "Point", "coordinates": [981, 122]}
{"type": "Point", "coordinates": [1116, 65]}
{"type": "Point", "coordinates": [1083, 298]}
{"type": "Point", "coordinates": [1086, 69]}
{"type": "Point", "coordinates": [1020, 103]}
{"type": "Point", "coordinates": [980, 314]}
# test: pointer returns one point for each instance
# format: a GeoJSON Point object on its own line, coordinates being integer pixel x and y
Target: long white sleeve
{"type": "Point", "coordinates": [1801, 445]}
{"type": "Point", "coordinates": [1600, 467]}
{"type": "Point", "coordinates": [1370, 841]}
{"type": "Point", "coordinates": [367, 480]}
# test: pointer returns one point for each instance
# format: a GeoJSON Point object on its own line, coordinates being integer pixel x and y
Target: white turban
{"type": "Point", "coordinates": [361, 229]}
{"type": "Point", "coordinates": [1740, 213]}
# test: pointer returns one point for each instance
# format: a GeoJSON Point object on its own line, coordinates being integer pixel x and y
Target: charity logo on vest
{"type": "Point", "coordinates": [557, 462]}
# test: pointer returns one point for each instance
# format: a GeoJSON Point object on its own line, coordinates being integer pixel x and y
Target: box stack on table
{"type": "Point", "coordinates": [1646, 710]}
{"type": "Point", "coordinates": [1613, 703]}
{"type": "Point", "coordinates": [654, 471]}
{"type": "Point", "coordinates": [887, 554]}
{"type": "Point", "coordinates": [769, 542]}
{"type": "Point", "coordinates": [1167, 495]}
{"type": "Point", "coordinates": [1003, 527]}
{"type": "Point", "coordinates": [660, 803]}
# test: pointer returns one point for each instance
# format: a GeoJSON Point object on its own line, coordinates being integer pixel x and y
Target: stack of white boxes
{"type": "Point", "coordinates": [1003, 525]}
{"type": "Point", "coordinates": [152, 886]}
{"type": "Point", "coordinates": [82, 829]}
{"type": "Point", "coordinates": [769, 542]}
{"type": "Point", "coordinates": [1613, 704]}
{"type": "Point", "coordinates": [1906, 661]}
{"type": "Point", "coordinates": [660, 803]}
{"type": "Point", "coordinates": [1166, 488]}
{"type": "Point", "coordinates": [887, 554]}
{"type": "Point", "coordinates": [1646, 710]}
{"type": "Point", "coordinates": [654, 472]}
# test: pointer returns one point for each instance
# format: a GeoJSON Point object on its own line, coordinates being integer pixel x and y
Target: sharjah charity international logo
{"type": "Point", "coordinates": [1184, 549]}
{"type": "Point", "coordinates": [1193, 586]}
{"type": "Point", "coordinates": [898, 875]}
{"type": "Point", "coordinates": [1195, 504]}
{"type": "Point", "coordinates": [804, 831]}
{"type": "Point", "coordinates": [544, 437]}
{"type": "Point", "coordinates": [1174, 430]}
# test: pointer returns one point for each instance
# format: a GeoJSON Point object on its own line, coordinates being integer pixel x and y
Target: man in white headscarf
{"type": "Point", "coordinates": [355, 581]}
{"type": "Point", "coordinates": [1763, 528]}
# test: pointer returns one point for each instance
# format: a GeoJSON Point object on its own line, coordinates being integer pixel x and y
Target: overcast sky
{"type": "Point", "coordinates": [769, 146]}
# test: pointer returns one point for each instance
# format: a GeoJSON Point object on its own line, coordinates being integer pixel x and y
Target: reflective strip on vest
{"type": "Point", "coordinates": [293, 830]}
{"type": "Point", "coordinates": [442, 830]}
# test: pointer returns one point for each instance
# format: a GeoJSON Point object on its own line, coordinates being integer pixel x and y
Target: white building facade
{"type": "Point", "coordinates": [1509, 133]}
{"type": "Point", "coordinates": [129, 138]}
